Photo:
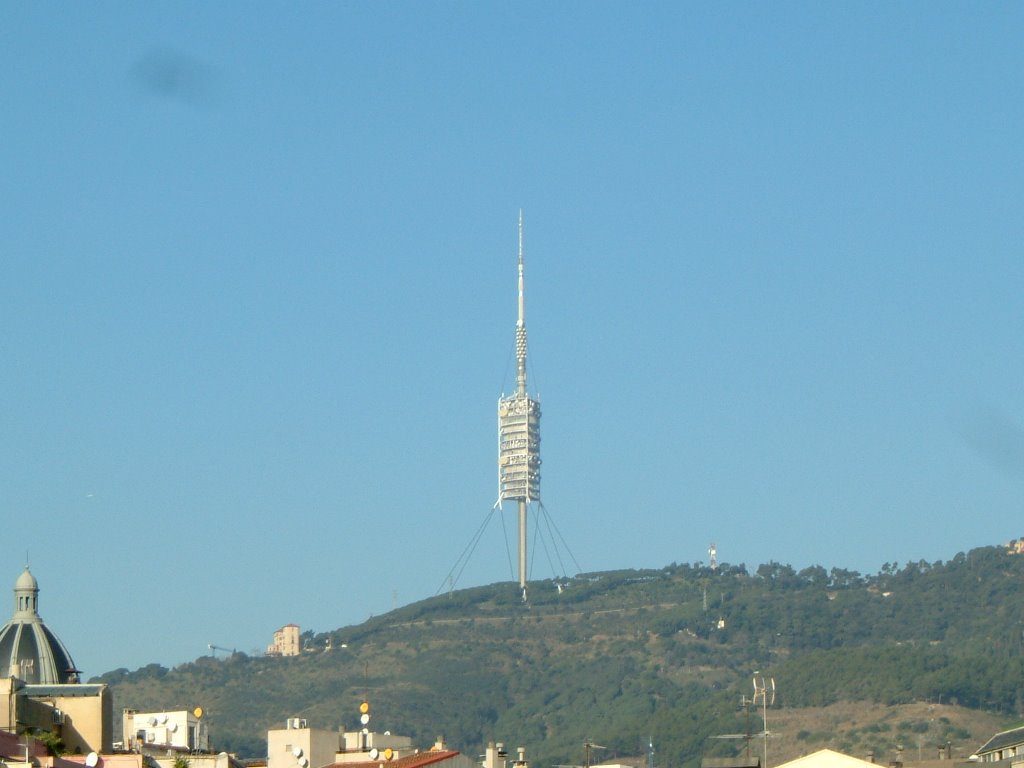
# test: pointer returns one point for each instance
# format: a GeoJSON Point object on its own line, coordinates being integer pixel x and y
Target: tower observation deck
{"type": "Point", "coordinates": [519, 434]}
{"type": "Point", "coordinates": [519, 449]}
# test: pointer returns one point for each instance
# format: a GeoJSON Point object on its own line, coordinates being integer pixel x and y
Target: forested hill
{"type": "Point", "coordinates": [622, 656]}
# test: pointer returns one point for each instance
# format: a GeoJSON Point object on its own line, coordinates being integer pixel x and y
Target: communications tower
{"type": "Point", "coordinates": [519, 435]}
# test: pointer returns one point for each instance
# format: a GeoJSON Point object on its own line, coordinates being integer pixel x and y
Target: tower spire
{"type": "Point", "coordinates": [521, 322]}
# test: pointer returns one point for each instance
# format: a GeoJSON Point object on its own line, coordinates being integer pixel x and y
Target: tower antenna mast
{"type": "Point", "coordinates": [521, 322]}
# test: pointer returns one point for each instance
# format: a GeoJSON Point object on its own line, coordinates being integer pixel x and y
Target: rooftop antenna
{"type": "Point", "coordinates": [364, 724]}
{"type": "Point", "coordinates": [745, 702]}
{"type": "Point", "coordinates": [764, 689]}
{"type": "Point", "coordinates": [713, 556]}
{"type": "Point", "coordinates": [588, 745]}
{"type": "Point", "coordinates": [519, 434]}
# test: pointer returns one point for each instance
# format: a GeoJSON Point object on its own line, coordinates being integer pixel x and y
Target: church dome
{"type": "Point", "coordinates": [28, 648]}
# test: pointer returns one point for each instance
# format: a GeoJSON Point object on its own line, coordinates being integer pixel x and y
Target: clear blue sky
{"type": "Point", "coordinates": [257, 265]}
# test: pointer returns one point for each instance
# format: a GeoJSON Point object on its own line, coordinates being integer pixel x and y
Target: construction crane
{"type": "Point", "coordinates": [214, 648]}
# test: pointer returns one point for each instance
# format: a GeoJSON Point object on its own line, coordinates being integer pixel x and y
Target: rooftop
{"type": "Point", "coordinates": [417, 760]}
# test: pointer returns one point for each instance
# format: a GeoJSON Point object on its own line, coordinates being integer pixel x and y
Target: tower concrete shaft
{"type": "Point", "coordinates": [522, 547]}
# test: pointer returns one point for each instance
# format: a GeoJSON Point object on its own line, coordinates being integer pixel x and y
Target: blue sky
{"type": "Point", "coordinates": [257, 266]}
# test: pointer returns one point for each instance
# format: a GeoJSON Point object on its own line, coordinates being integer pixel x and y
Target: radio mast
{"type": "Point", "coordinates": [519, 434]}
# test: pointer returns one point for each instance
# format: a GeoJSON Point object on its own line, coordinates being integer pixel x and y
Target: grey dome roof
{"type": "Point", "coordinates": [28, 649]}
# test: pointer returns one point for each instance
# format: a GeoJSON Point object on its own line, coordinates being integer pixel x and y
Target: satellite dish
{"type": "Point", "coordinates": [364, 718]}
{"type": "Point", "coordinates": [364, 707]}
{"type": "Point", "coordinates": [92, 760]}
{"type": "Point", "coordinates": [374, 753]}
{"type": "Point", "coordinates": [163, 719]}
{"type": "Point", "coordinates": [172, 727]}
{"type": "Point", "coordinates": [152, 721]}
{"type": "Point", "coordinates": [388, 754]}
{"type": "Point", "coordinates": [198, 711]}
{"type": "Point", "coordinates": [303, 762]}
{"type": "Point", "coordinates": [297, 751]}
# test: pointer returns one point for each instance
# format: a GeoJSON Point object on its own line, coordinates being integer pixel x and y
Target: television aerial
{"type": "Point", "coordinates": [588, 745]}
{"type": "Point", "coordinates": [746, 735]}
{"type": "Point", "coordinates": [764, 689]}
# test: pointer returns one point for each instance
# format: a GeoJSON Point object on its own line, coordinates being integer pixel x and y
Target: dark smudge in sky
{"type": "Point", "coordinates": [167, 74]}
{"type": "Point", "coordinates": [995, 438]}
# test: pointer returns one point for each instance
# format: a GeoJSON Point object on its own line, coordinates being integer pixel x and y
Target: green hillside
{"type": "Point", "coordinates": [621, 656]}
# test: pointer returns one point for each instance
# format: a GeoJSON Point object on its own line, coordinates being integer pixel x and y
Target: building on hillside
{"type": "Point", "coordinates": [39, 686]}
{"type": "Point", "coordinates": [179, 730]}
{"type": "Point", "coordinates": [286, 641]}
{"type": "Point", "coordinates": [1005, 746]}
